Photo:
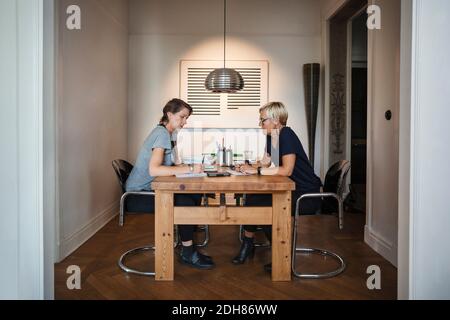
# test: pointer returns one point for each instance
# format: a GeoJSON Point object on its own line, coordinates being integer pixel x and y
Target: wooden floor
{"type": "Point", "coordinates": [102, 279]}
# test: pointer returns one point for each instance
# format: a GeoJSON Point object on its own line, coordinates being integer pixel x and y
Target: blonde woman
{"type": "Point", "coordinates": [156, 160]}
{"type": "Point", "coordinates": [286, 152]}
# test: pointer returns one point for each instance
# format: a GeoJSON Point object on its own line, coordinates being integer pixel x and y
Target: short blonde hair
{"type": "Point", "coordinates": [276, 111]}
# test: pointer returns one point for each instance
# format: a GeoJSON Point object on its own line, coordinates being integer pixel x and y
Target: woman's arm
{"type": "Point", "coordinates": [157, 169]}
{"type": "Point", "coordinates": [285, 170]}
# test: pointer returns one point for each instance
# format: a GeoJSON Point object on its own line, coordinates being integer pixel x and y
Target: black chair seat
{"type": "Point", "coordinates": [140, 204]}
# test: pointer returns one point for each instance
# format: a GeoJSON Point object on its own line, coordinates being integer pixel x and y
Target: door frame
{"type": "Point", "coordinates": [26, 251]}
{"type": "Point", "coordinates": [50, 144]}
{"type": "Point", "coordinates": [409, 15]}
{"type": "Point", "coordinates": [407, 127]}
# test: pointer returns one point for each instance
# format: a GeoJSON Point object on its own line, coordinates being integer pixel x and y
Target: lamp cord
{"type": "Point", "coordinates": [224, 31]}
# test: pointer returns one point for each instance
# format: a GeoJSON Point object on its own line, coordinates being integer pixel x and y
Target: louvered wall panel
{"type": "Point", "coordinates": [202, 101]}
{"type": "Point", "coordinates": [214, 110]}
{"type": "Point", "coordinates": [250, 96]}
{"type": "Point", "coordinates": [205, 103]}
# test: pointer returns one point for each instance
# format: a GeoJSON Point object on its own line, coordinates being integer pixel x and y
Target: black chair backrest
{"type": "Point", "coordinates": [335, 183]}
{"type": "Point", "coordinates": [335, 178]}
{"type": "Point", "coordinates": [122, 169]}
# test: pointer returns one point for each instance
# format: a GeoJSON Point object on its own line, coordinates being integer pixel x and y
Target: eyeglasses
{"type": "Point", "coordinates": [261, 121]}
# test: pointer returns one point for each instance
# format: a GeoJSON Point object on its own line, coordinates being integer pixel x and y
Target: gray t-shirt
{"type": "Point", "coordinates": [140, 179]}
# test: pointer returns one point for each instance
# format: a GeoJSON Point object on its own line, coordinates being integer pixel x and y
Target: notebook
{"type": "Point", "coordinates": [191, 175]}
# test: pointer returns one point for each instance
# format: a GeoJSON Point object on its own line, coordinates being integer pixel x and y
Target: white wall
{"type": "Point", "coordinates": [92, 116]}
{"type": "Point", "coordinates": [382, 135]}
{"type": "Point", "coordinates": [286, 33]}
{"type": "Point", "coordinates": [21, 141]}
{"type": "Point", "coordinates": [425, 232]}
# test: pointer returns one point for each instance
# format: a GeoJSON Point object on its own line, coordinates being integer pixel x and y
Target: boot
{"type": "Point", "coordinates": [268, 233]}
{"type": "Point", "coordinates": [247, 250]}
{"type": "Point", "coordinates": [191, 257]}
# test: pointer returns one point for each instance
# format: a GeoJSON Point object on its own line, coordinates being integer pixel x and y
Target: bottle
{"type": "Point", "coordinates": [221, 157]}
{"type": "Point", "coordinates": [229, 157]}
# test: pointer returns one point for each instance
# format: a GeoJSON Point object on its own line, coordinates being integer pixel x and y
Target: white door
{"type": "Point", "coordinates": [383, 96]}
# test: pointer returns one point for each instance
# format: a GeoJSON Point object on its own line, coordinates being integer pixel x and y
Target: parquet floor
{"type": "Point", "coordinates": [102, 279]}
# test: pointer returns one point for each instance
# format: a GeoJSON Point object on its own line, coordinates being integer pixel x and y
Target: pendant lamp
{"type": "Point", "coordinates": [224, 80]}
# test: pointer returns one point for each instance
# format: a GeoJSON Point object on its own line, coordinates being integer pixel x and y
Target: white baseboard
{"type": "Point", "coordinates": [381, 246]}
{"type": "Point", "coordinates": [72, 243]}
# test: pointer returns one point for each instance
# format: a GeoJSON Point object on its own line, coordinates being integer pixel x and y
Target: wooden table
{"type": "Point", "coordinates": [279, 216]}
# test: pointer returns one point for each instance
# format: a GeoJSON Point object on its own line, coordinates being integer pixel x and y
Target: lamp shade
{"type": "Point", "coordinates": [224, 80]}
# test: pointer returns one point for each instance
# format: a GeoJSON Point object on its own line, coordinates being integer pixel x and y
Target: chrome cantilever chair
{"type": "Point", "coordinates": [142, 202]}
{"type": "Point", "coordinates": [138, 202]}
{"type": "Point", "coordinates": [333, 188]}
{"type": "Point", "coordinates": [135, 251]}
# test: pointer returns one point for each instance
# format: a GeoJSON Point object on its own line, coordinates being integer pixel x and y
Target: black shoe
{"type": "Point", "coordinates": [204, 256]}
{"type": "Point", "coordinates": [191, 257]}
{"type": "Point", "coordinates": [247, 250]}
{"type": "Point", "coordinates": [268, 267]}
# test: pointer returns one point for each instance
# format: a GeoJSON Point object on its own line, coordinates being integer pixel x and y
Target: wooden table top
{"type": "Point", "coordinates": [225, 184]}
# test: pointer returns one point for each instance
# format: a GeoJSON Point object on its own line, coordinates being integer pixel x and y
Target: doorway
{"type": "Point", "coordinates": [377, 80]}
{"type": "Point", "coordinates": [348, 83]}
{"type": "Point", "coordinates": [357, 112]}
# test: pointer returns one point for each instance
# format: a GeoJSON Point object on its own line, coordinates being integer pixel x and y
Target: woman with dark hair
{"type": "Point", "coordinates": [289, 159]}
{"type": "Point", "coordinates": [156, 159]}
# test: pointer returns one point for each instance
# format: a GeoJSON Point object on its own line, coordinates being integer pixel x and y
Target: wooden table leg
{"type": "Point", "coordinates": [281, 237]}
{"type": "Point", "coordinates": [164, 236]}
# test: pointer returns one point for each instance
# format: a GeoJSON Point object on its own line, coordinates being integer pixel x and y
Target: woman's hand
{"type": "Point", "coordinates": [247, 169]}
{"type": "Point", "coordinates": [157, 169]}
